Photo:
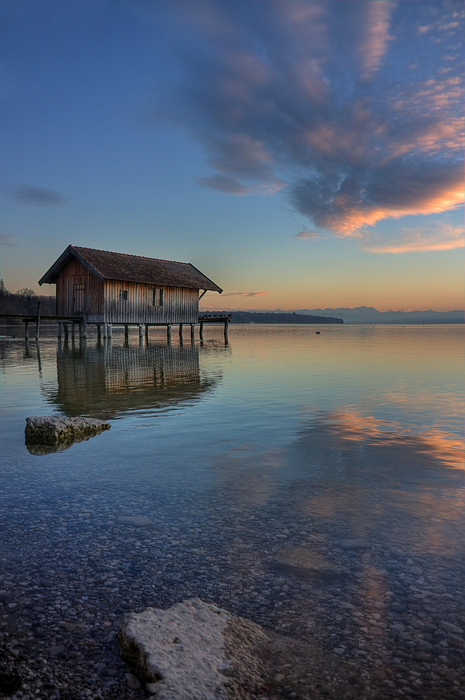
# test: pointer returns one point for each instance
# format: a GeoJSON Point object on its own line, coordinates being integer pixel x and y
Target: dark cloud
{"type": "Point", "coordinates": [354, 107]}
{"type": "Point", "coordinates": [224, 183]}
{"type": "Point", "coordinates": [37, 196]}
{"type": "Point", "coordinates": [307, 235]}
{"type": "Point", "coordinates": [6, 241]}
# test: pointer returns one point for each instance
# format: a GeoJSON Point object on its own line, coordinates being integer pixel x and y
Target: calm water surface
{"type": "Point", "coordinates": [256, 463]}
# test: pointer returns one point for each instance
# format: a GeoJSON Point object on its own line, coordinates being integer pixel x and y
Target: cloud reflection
{"type": "Point", "coordinates": [372, 477]}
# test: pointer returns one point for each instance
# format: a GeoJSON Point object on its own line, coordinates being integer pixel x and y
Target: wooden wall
{"type": "Point", "coordinates": [69, 292]}
{"type": "Point", "coordinates": [180, 305]}
{"type": "Point", "coordinates": [79, 292]}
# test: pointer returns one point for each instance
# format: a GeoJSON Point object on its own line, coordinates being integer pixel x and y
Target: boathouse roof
{"type": "Point", "coordinates": [132, 268]}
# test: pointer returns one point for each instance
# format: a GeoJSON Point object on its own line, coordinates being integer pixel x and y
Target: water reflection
{"type": "Point", "coordinates": [360, 478]}
{"type": "Point", "coordinates": [106, 381]}
{"type": "Point", "coordinates": [341, 523]}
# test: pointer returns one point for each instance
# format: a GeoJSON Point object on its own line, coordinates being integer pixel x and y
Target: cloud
{"type": "Point", "coordinates": [333, 104]}
{"type": "Point", "coordinates": [231, 185]}
{"type": "Point", "coordinates": [414, 240]}
{"type": "Point", "coordinates": [6, 241]}
{"type": "Point", "coordinates": [36, 196]}
{"type": "Point", "coordinates": [305, 235]}
{"type": "Point", "coordinates": [224, 183]}
{"type": "Point", "coordinates": [376, 35]}
{"type": "Point", "coordinates": [245, 294]}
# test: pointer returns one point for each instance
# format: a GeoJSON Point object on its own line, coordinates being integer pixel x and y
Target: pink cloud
{"type": "Point", "coordinates": [377, 36]}
{"type": "Point", "coordinates": [414, 240]}
{"type": "Point", "coordinates": [320, 98]}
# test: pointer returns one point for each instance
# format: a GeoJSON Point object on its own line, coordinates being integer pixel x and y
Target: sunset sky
{"type": "Point", "coordinates": [301, 154]}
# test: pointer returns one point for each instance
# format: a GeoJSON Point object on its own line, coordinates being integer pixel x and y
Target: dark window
{"type": "Point", "coordinates": [123, 295]}
{"type": "Point", "coordinates": [157, 297]}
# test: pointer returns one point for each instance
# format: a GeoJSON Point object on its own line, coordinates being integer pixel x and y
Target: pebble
{"type": "Point", "coordinates": [354, 544]}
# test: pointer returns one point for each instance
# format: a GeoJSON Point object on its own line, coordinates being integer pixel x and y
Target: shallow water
{"type": "Point", "coordinates": [310, 481]}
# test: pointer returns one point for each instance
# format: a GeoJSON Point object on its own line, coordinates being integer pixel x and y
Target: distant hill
{"type": "Point", "coordinates": [368, 314]}
{"type": "Point", "coordinates": [278, 317]}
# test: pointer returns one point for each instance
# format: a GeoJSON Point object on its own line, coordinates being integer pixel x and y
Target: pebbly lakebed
{"type": "Point", "coordinates": [311, 483]}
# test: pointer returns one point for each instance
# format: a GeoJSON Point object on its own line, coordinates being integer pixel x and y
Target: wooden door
{"type": "Point", "coordinates": [78, 299]}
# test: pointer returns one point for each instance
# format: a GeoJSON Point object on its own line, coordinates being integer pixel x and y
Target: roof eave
{"type": "Point", "coordinates": [51, 275]}
{"type": "Point", "coordinates": [214, 287]}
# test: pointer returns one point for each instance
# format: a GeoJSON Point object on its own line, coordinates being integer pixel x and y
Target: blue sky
{"type": "Point", "coordinates": [301, 154]}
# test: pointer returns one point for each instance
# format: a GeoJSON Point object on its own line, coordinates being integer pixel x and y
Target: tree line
{"type": "Point", "coordinates": [280, 317]}
{"type": "Point", "coordinates": [25, 301]}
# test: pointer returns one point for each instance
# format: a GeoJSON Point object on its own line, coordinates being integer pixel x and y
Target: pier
{"type": "Point", "coordinates": [66, 326]}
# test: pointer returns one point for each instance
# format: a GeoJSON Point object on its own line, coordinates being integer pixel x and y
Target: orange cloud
{"type": "Point", "coordinates": [377, 35]}
{"type": "Point", "coordinates": [443, 237]}
{"type": "Point", "coordinates": [351, 425]}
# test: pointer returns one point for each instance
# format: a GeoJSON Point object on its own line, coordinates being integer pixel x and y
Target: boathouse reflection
{"type": "Point", "coordinates": [107, 381]}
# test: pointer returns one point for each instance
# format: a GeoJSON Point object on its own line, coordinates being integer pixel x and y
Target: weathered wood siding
{"type": "Point", "coordinates": [180, 305]}
{"type": "Point", "coordinates": [79, 292]}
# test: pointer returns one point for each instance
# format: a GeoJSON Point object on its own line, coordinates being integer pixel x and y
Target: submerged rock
{"type": "Point", "coordinates": [193, 650]}
{"type": "Point", "coordinates": [134, 520]}
{"type": "Point", "coordinates": [54, 433]}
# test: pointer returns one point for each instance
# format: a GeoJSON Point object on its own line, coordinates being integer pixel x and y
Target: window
{"type": "Point", "coordinates": [157, 297]}
{"type": "Point", "coordinates": [123, 295]}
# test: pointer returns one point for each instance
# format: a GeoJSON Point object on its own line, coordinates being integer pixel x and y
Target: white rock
{"type": "Point", "coordinates": [182, 654]}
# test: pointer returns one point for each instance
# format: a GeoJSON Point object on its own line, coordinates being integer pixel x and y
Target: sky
{"type": "Point", "coordinates": [301, 154]}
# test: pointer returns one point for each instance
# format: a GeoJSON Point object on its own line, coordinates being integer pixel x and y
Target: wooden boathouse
{"type": "Point", "coordinates": [104, 288]}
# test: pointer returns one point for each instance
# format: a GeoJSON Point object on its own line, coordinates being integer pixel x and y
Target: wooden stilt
{"type": "Point", "coordinates": [38, 321]}
{"type": "Point", "coordinates": [109, 331]}
{"type": "Point", "coordinates": [39, 359]}
{"type": "Point", "coordinates": [66, 327]}
{"type": "Point", "coordinates": [83, 329]}
{"type": "Point", "coordinates": [141, 332]}
{"type": "Point", "coordinates": [26, 329]}
{"type": "Point", "coordinates": [180, 333]}
{"type": "Point", "coordinates": [126, 333]}
{"type": "Point", "coordinates": [60, 330]}
{"type": "Point", "coordinates": [201, 331]}
{"type": "Point", "coordinates": [192, 332]}
{"type": "Point", "coordinates": [168, 332]}
{"type": "Point", "coordinates": [226, 341]}
{"type": "Point", "coordinates": [99, 332]}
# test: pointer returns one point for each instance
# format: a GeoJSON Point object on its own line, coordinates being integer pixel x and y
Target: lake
{"type": "Point", "coordinates": [310, 478]}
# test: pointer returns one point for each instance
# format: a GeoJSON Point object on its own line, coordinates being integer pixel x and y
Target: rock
{"type": "Point", "coordinates": [47, 433]}
{"type": "Point", "coordinates": [450, 628]}
{"type": "Point", "coordinates": [306, 560]}
{"type": "Point", "coordinates": [354, 544]}
{"type": "Point", "coordinates": [192, 650]}
{"type": "Point", "coordinates": [135, 520]}
{"type": "Point", "coordinates": [133, 682]}
{"type": "Point", "coordinates": [57, 650]}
